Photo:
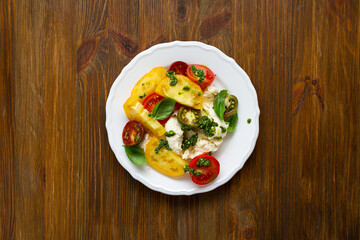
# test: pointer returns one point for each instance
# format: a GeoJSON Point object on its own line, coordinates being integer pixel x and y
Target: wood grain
{"type": "Point", "coordinates": [60, 180]}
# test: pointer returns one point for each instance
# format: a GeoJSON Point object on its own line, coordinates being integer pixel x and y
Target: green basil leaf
{"type": "Point", "coordinates": [219, 105]}
{"type": "Point", "coordinates": [135, 154]}
{"type": "Point", "coordinates": [163, 109]}
{"type": "Point", "coordinates": [233, 119]}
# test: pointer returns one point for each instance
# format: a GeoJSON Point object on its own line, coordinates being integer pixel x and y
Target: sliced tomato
{"type": "Point", "coordinates": [177, 106]}
{"type": "Point", "coordinates": [133, 133]}
{"type": "Point", "coordinates": [200, 74]}
{"type": "Point", "coordinates": [189, 116]}
{"type": "Point", "coordinates": [151, 101]}
{"type": "Point", "coordinates": [231, 104]}
{"type": "Point", "coordinates": [208, 173]}
{"type": "Point", "coordinates": [179, 67]}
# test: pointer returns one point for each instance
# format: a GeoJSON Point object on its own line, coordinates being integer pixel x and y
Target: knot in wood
{"type": "Point", "coordinates": [248, 233]}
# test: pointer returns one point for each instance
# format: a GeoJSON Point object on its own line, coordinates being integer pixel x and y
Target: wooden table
{"type": "Point", "coordinates": [60, 179]}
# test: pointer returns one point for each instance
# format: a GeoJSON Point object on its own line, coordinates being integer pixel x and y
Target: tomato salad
{"type": "Point", "coordinates": [177, 94]}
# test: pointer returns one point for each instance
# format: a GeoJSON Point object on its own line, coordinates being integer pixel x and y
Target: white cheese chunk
{"type": "Point", "coordinates": [175, 141]}
{"type": "Point", "coordinates": [144, 141]}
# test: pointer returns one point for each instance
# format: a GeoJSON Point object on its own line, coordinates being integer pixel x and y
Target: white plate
{"type": "Point", "coordinates": [237, 146]}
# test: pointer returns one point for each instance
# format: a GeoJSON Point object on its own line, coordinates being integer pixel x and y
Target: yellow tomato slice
{"type": "Point", "coordinates": [147, 84]}
{"type": "Point", "coordinates": [185, 92]}
{"type": "Point", "coordinates": [165, 161]}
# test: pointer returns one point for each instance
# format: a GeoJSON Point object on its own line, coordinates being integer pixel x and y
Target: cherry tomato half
{"type": "Point", "coordinates": [151, 101]}
{"type": "Point", "coordinates": [200, 74]}
{"type": "Point", "coordinates": [208, 173]}
{"type": "Point", "coordinates": [133, 133]}
{"type": "Point", "coordinates": [179, 67]}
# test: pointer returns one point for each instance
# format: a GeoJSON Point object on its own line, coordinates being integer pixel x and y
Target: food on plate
{"type": "Point", "coordinates": [189, 116]}
{"type": "Point", "coordinates": [135, 154]}
{"type": "Point", "coordinates": [226, 109]}
{"type": "Point", "coordinates": [211, 131]}
{"type": "Point", "coordinates": [219, 105]}
{"type": "Point", "coordinates": [133, 133]}
{"type": "Point", "coordinates": [178, 118]}
{"type": "Point", "coordinates": [146, 85]}
{"type": "Point", "coordinates": [184, 91]}
{"type": "Point", "coordinates": [231, 103]}
{"type": "Point", "coordinates": [163, 109]}
{"type": "Point", "coordinates": [163, 159]}
{"type": "Point", "coordinates": [179, 67]}
{"type": "Point", "coordinates": [232, 120]}
{"type": "Point", "coordinates": [134, 110]}
{"type": "Point", "coordinates": [200, 75]}
{"type": "Point", "coordinates": [150, 103]}
{"type": "Point", "coordinates": [203, 169]}
{"type": "Point", "coordinates": [145, 140]}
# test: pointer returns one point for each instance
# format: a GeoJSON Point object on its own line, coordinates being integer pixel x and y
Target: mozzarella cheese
{"type": "Point", "coordinates": [204, 144]}
{"type": "Point", "coordinates": [144, 141]}
{"type": "Point", "coordinates": [175, 141]}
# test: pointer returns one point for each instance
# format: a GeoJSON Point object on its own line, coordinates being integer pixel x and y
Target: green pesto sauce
{"type": "Point", "coordinates": [191, 170]}
{"type": "Point", "coordinates": [162, 143]}
{"type": "Point", "coordinates": [223, 130]}
{"type": "Point", "coordinates": [173, 79]}
{"type": "Point", "coordinates": [208, 126]}
{"type": "Point", "coordinates": [203, 162]}
{"type": "Point", "coordinates": [188, 142]}
{"type": "Point", "coordinates": [198, 73]}
{"type": "Point", "coordinates": [170, 133]}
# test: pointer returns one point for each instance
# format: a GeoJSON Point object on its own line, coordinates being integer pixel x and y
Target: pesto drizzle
{"type": "Point", "coordinates": [170, 133]}
{"type": "Point", "coordinates": [198, 73]}
{"type": "Point", "coordinates": [203, 162]}
{"type": "Point", "coordinates": [191, 170]}
{"type": "Point", "coordinates": [173, 79]}
{"type": "Point", "coordinates": [208, 126]}
{"type": "Point", "coordinates": [188, 142]}
{"type": "Point", "coordinates": [162, 143]}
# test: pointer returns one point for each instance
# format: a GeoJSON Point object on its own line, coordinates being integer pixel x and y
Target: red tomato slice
{"type": "Point", "coordinates": [209, 75]}
{"type": "Point", "coordinates": [133, 133]}
{"type": "Point", "coordinates": [208, 173]}
{"type": "Point", "coordinates": [179, 67]}
{"type": "Point", "coordinates": [177, 106]}
{"type": "Point", "coordinates": [151, 101]}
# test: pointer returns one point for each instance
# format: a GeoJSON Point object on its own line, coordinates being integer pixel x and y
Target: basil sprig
{"type": "Point", "coordinates": [219, 105]}
{"type": "Point", "coordinates": [163, 109]}
{"type": "Point", "coordinates": [232, 120]}
{"type": "Point", "coordinates": [135, 154]}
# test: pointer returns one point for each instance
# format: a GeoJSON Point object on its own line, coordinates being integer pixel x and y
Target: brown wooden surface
{"type": "Point", "coordinates": [60, 180]}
